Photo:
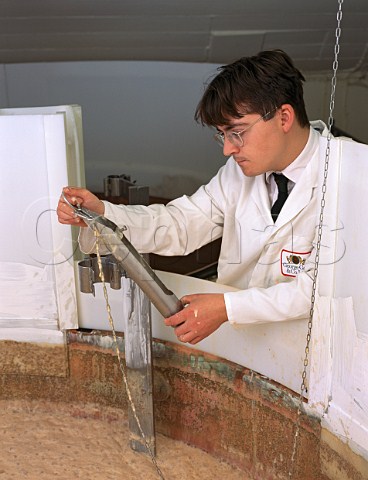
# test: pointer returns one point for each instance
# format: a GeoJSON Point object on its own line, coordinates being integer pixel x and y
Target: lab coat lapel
{"type": "Point", "coordinates": [299, 198]}
{"type": "Point", "coordinates": [260, 198]}
{"type": "Point", "coordinates": [301, 194]}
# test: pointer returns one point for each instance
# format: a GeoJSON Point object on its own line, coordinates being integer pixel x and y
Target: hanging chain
{"type": "Point", "coordinates": [112, 326]}
{"type": "Point", "coordinates": [303, 387]}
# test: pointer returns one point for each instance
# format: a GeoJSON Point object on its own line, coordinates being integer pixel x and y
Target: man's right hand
{"type": "Point", "coordinates": [84, 198]}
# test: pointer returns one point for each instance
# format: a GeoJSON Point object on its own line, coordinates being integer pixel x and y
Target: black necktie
{"type": "Point", "coordinates": [282, 186]}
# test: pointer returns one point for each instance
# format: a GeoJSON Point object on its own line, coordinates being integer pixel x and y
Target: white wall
{"type": "Point", "coordinates": [138, 116]}
{"type": "Point", "coordinates": [338, 382]}
{"type": "Point", "coordinates": [36, 253]}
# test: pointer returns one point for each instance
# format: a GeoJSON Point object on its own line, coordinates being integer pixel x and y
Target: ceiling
{"type": "Point", "coordinates": [214, 31]}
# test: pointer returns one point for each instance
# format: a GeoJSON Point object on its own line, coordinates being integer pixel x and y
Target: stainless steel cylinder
{"type": "Point", "coordinates": [86, 276]}
{"type": "Point", "coordinates": [138, 270]}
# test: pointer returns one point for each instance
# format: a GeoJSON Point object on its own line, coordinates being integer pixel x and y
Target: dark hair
{"type": "Point", "coordinates": [257, 84]}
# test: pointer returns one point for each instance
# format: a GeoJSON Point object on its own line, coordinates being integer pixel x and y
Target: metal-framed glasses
{"type": "Point", "coordinates": [236, 138]}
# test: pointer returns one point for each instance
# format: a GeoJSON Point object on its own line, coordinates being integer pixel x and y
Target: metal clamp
{"type": "Point", "coordinates": [89, 273]}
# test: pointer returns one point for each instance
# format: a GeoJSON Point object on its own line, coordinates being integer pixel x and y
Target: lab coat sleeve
{"type": "Point", "coordinates": [179, 228]}
{"type": "Point", "coordinates": [281, 302]}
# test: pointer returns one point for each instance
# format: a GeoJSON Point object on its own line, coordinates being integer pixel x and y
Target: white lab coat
{"type": "Point", "coordinates": [271, 264]}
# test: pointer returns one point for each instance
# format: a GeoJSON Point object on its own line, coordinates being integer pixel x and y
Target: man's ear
{"type": "Point", "coordinates": [287, 117]}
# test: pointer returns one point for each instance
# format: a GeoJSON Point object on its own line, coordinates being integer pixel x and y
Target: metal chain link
{"type": "Point", "coordinates": [303, 387]}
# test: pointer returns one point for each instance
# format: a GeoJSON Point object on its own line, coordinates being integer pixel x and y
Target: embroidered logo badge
{"type": "Point", "coordinates": [292, 263]}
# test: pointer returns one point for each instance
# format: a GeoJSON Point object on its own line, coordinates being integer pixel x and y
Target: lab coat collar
{"type": "Point", "coordinates": [320, 126]}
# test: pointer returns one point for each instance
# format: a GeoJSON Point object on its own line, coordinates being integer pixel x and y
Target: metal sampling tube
{"type": "Point", "coordinates": [138, 269]}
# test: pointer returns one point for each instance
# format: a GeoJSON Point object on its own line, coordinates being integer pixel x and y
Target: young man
{"type": "Point", "coordinates": [256, 105]}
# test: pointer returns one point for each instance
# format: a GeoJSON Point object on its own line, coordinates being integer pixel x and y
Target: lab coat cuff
{"type": "Point", "coordinates": [229, 309]}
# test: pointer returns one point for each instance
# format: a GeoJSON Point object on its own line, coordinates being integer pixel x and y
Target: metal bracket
{"type": "Point", "coordinates": [89, 273]}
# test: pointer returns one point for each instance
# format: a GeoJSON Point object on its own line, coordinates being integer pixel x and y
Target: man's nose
{"type": "Point", "coordinates": [229, 148]}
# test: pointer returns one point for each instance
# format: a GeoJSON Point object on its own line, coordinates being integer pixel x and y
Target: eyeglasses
{"type": "Point", "coordinates": [236, 137]}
